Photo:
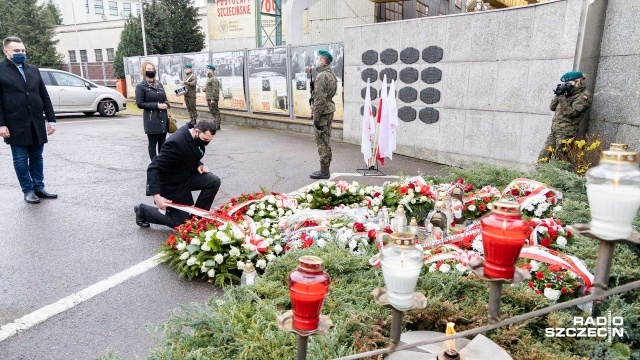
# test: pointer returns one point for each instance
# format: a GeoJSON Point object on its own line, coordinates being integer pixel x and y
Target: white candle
{"type": "Point", "coordinates": [613, 209]}
{"type": "Point", "coordinates": [400, 277]}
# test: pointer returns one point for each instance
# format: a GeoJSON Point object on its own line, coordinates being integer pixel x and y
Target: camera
{"type": "Point", "coordinates": [565, 89]}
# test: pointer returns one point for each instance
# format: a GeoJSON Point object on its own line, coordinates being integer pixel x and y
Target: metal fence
{"type": "Point", "coordinates": [100, 73]}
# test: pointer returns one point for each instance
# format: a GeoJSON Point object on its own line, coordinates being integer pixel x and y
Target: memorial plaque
{"type": "Point", "coordinates": [375, 110]}
{"type": "Point", "coordinates": [409, 75]}
{"type": "Point", "coordinates": [392, 74]}
{"type": "Point", "coordinates": [407, 114]}
{"type": "Point", "coordinates": [432, 54]}
{"type": "Point", "coordinates": [431, 75]}
{"type": "Point", "coordinates": [429, 115]}
{"type": "Point", "coordinates": [389, 56]}
{"type": "Point", "coordinates": [370, 57]}
{"type": "Point", "coordinates": [430, 95]}
{"type": "Point", "coordinates": [408, 94]}
{"type": "Point", "coordinates": [373, 92]}
{"type": "Point", "coordinates": [370, 74]}
{"type": "Point", "coordinates": [410, 55]}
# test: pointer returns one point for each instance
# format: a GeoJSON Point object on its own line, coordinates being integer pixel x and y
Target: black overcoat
{"type": "Point", "coordinates": [170, 172]}
{"type": "Point", "coordinates": [24, 105]}
{"type": "Point", "coordinates": [147, 98]}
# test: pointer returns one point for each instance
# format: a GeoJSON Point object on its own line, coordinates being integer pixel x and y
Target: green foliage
{"type": "Point", "coordinates": [130, 45]}
{"type": "Point", "coordinates": [157, 28]}
{"type": "Point", "coordinates": [36, 26]}
{"type": "Point", "coordinates": [188, 36]}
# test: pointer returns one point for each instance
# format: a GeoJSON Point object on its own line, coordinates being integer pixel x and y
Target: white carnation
{"type": "Point", "coordinates": [261, 213]}
{"type": "Point", "coordinates": [218, 258]}
{"type": "Point", "coordinates": [432, 268]}
{"type": "Point", "coordinates": [277, 249]}
{"type": "Point", "coordinates": [423, 198]}
{"type": "Point", "coordinates": [191, 261]}
{"type": "Point", "coordinates": [181, 246]}
{"type": "Point", "coordinates": [185, 255]}
{"type": "Point", "coordinates": [195, 241]}
{"type": "Point", "coordinates": [261, 264]}
{"type": "Point", "coordinates": [445, 268]}
{"type": "Point", "coordinates": [209, 234]}
{"type": "Point", "coordinates": [251, 213]}
{"type": "Point", "coordinates": [352, 244]}
{"type": "Point", "coordinates": [361, 192]}
{"type": "Point", "coordinates": [280, 211]}
{"type": "Point", "coordinates": [274, 213]}
{"type": "Point", "coordinates": [265, 233]}
{"type": "Point", "coordinates": [252, 207]}
{"type": "Point", "coordinates": [270, 208]}
{"type": "Point", "coordinates": [461, 268]}
{"type": "Point", "coordinates": [237, 233]}
{"type": "Point", "coordinates": [557, 208]}
{"type": "Point", "coordinates": [240, 265]}
{"type": "Point", "coordinates": [234, 251]}
{"type": "Point", "coordinates": [261, 206]}
{"type": "Point", "coordinates": [471, 207]}
{"type": "Point", "coordinates": [224, 238]}
{"type": "Point", "coordinates": [205, 247]}
{"type": "Point", "coordinates": [204, 269]}
{"type": "Point", "coordinates": [288, 213]}
{"type": "Point", "coordinates": [325, 190]}
{"type": "Point", "coordinates": [211, 273]}
{"type": "Point", "coordinates": [561, 241]}
{"type": "Point", "coordinates": [535, 266]}
{"type": "Point", "coordinates": [543, 207]}
{"type": "Point", "coordinates": [271, 257]}
{"type": "Point", "coordinates": [552, 294]}
{"type": "Point", "coordinates": [418, 188]}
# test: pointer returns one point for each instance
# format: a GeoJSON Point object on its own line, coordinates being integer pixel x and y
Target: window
{"type": "Point", "coordinates": [86, 5]}
{"type": "Point", "coordinates": [138, 10]}
{"type": "Point", "coordinates": [422, 10]}
{"type": "Point", "coordinates": [126, 9]}
{"type": "Point", "coordinates": [46, 78]}
{"type": "Point", "coordinates": [83, 56]}
{"type": "Point", "coordinates": [110, 54]}
{"type": "Point", "coordinates": [63, 79]}
{"type": "Point", "coordinates": [389, 12]}
{"type": "Point", "coordinates": [98, 6]}
{"type": "Point", "coordinates": [113, 8]}
{"type": "Point", "coordinates": [99, 55]}
{"type": "Point", "coordinates": [72, 56]}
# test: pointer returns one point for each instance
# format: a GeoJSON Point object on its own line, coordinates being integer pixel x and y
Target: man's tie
{"type": "Point", "coordinates": [22, 73]}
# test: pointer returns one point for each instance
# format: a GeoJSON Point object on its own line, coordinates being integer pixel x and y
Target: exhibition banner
{"type": "Point", "coordinates": [231, 19]}
{"type": "Point", "coordinates": [199, 61]}
{"type": "Point", "coordinates": [268, 80]}
{"type": "Point", "coordinates": [170, 69]}
{"type": "Point", "coordinates": [229, 71]}
{"type": "Point", "coordinates": [132, 77]}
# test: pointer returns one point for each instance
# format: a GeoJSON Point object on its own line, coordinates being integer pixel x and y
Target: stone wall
{"type": "Point", "coordinates": [498, 70]}
{"type": "Point", "coordinates": [616, 108]}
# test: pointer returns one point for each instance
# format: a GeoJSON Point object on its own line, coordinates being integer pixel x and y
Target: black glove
{"type": "Point", "coordinates": [316, 123]}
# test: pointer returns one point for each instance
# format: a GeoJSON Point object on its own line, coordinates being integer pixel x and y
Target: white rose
{"type": "Point", "coordinates": [338, 192]}
{"type": "Point", "coordinates": [353, 244]}
{"type": "Point", "coordinates": [321, 243]}
{"type": "Point", "coordinates": [471, 207]}
{"type": "Point", "coordinates": [204, 269]}
{"type": "Point", "coordinates": [270, 208]}
{"type": "Point", "coordinates": [535, 266]}
{"type": "Point", "coordinates": [423, 198]}
{"type": "Point", "coordinates": [461, 268]}
{"type": "Point", "coordinates": [261, 264]}
{"type": "Point", "coordinates": [432, 268]}
{"type": "Point", "coordinates": [271, 257]}
{"type": "Point", "coordinates": [557, 208]}
{"type": "Point", "coordinates": [211, 273]}
{"type": "Point", "coordinates": [418, 188]}
{"type": "Point", "coordinates": [262, 206]}
{"type": "Point", "coordinates": [288, 213]}
{"type": "Point", "coordinates": [410, 192]}
{"type": "Point", "coordinates": [552, 294]}
{"type": "Point", "coordinates": [562, 241]}
{"type": "Point", "coordinates": [240, 265]}
{"type": "Point", "coordinates": [269, 241]}
{"type": "Point", "coordinates": [413, 201]}
{"type": "Point", "coordinates": [209, 234]}
{"type": "Point", "coordinates": [261, 213]}
{"type": "Point", "coordinates": [265, 233]}
{"type": "Point", "coordinates": [251, 213]}
{"type": "Point", "coordinates": [234, 251]}
{"type": "Point", "coordinates": [277, 249]}
{"type": "Point", "coordinates": [222, 227]}
{"type": "Point", "coordinates": [445, 268]}
{"type": "Point", "coordinates": [410, 196]}
{"type": "Point", "coordinates": [181, 246]}
{"type": "Point", "coordinates": [195, 241]}
{"type": "Point", "coordinates": [280, 211]}
{"type": "Point", "coordinates": [361, 192]}
{"type": "Point", "coordinates": [325, 190]}
{"type": "Point", "coordinates": [191, 261]}
{"type": "Point", "coordinates": [224, 238]}
{"type": "Point", "coordinates": [375, 209]}
{"type": "Point", "coordinates": [219, 258]}
{"type": "Point", "coordinates": [252, 207]}
{"type": "Point", "coordinates": [274, 213]}
{"type": "Point", "coordinates": [185, 255]}
{"type": "Point", "coordinates": [205, 247]}
{"type": "Point", "coordinates": [237, 233]}
{"type": "Point", "coordinates": [278, 237]}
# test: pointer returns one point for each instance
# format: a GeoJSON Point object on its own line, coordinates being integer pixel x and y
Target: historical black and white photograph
{"type": "Point", "coordinates": [230, 71]}
{"type": "Point", "coordinates": [268, 79]}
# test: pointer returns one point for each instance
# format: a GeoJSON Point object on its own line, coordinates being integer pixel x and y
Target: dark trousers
{"type": "Point", "coordinates": [208, 184]}
{"type": "Point", "coordinates": [155, 139]}
{"type": "Point", "coordinates": [29, 167]}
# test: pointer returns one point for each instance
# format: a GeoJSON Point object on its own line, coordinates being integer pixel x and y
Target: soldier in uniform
{"type": "Point", "coordinates": [570, 103]}
{"type": "Point", "coordinates": [322, 108]}
{"type": "Point", "coordinates": [212, 92]}
{"type": "Point", "coordinates": [190, 97]}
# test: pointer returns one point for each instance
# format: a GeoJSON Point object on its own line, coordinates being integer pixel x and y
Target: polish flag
{"type": "Point", "coordinates": [368, 127]}
{"type": "Point", "coordinates": [383, 99]}
{"type": "Point", "coordinates": [389, 124]}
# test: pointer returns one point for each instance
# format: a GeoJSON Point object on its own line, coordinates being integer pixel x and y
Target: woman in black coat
{"type": "Point", "coordinates": [151, 97]}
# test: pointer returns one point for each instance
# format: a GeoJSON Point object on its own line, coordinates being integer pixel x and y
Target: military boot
{"type": "Point", "coordinates": [323, 173]}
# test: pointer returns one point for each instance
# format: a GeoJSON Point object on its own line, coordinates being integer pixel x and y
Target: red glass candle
{"type": "Point", "coordinates": [503, 235]}
{"type": "Point", "coordinates": [308, 287]}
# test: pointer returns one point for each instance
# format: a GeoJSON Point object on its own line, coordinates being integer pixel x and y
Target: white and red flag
{"type": "Point", "coordinates": [368, 127]}
{"type": "Point", "coordinates": [388, 123]}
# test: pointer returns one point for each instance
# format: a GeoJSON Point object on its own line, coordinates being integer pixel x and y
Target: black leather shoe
{"type": "Point", "coordinates": [31, 198]}
{"type": "Point", "coordinates": [43, 194]}
{"type": "Point", "coordinates": [140, 219]}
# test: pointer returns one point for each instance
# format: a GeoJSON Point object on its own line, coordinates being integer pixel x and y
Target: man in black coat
{"type": "Point", "coordinates": [175, 173]}
{"type": "Point", "coordinates": [24, 103]}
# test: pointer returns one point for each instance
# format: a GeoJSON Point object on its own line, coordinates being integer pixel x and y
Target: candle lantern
{"type": "Point", "coordinates": [446, 198]}
{"type": "Point", "coordinates": [613, 189]}
{"type": "Point", "coordinates": [249, 275]}
{"type": "Point", "coordinates": [401, 262]}
{"type": "Point", "coordinates": [399, 223]}
{"type": "Point", "coordinates": [450, 352]}
{"type": "Point", "coordinates": [619, 147]}
{"type": "Point", "coordinates": [413, 227]}
{"type": "Point", "coordinates": [503, 235]}
{"type": "Point", "coordinates": [308, 287]}
{"type": "Point", "coordinates": [458, 192]}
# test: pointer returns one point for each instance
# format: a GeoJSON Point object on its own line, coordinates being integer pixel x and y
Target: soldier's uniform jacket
{"type": "Point", "coordinates": [212, 89]}
{"type": "Point", "coordinates": [569, 111]}
{"type": "Point", "coordinates": [191, 85]}
{"type": "Point", "coordinates": [326, 84]}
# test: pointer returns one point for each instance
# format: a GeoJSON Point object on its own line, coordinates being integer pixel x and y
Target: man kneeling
{"type": "Point", "coordinates": [177, 171]}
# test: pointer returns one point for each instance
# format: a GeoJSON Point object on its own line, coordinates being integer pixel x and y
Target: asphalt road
{"type": "Point", "coordinates": [60, 247]}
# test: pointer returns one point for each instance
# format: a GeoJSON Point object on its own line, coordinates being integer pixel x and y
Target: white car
{"type": "Point", "coordinates": [72, 94]}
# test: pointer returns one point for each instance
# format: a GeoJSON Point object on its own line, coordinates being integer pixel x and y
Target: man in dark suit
{"type": "Point", "coordinates": [24, 104]}
{"type": "Point", "coordinates": [175, 173]}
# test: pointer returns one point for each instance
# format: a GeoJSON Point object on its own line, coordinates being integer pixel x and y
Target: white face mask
{"type": "Point", "coordinates": [317, 63]}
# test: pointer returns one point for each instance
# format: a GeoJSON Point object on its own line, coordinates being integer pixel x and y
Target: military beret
{"type": "Point", "coordinates": [571, 75]}
{"type": "Point", "coordinates": [188, 66]}
{"type": "Point", "coordinates": [211, 67]}
{"type": "Point", "coordinates": [325, 53]}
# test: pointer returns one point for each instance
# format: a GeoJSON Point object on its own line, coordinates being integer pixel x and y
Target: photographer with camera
{"type": "Point", "coordinates": [570, 103]}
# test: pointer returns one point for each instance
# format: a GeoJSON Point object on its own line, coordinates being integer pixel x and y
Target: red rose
{"type": "Point", "coordinates": [515, 192]}
{"type": "Point", "coordinates": [486, 199]}
{"type": "Point", "coordinates": [559, 278]}
{"type": "Point", "coordinates": [571, 291]}
{"type": "Point", "coordinates": [376, 194]}
{"type": "Point", "coordinates": [569, 234]}
{"type": "Point", "coordinates": [531, 284]}
{"type": "Point", "coordinates": [548, 286]}
{"type": "Point", "coordinates": [460, 181]}
{"type": "Point", "coordinates": [171, 240]}
{"type": "Point", "coordinates": [553, 233]}
{"type": "Point", "coordinates": [554, 268]}
{"type": "Point", "coordinates": [546, 242]}
{"type": "Point", "coordinates": [553, 201]}
{"type": "Point", "coordinates": [388, 229]}
{"type": "Point", "coordinates": [527, 193]}
{"type": "Point", "coordinates": [533, 224]}
{"type": "Point", "coordinates": [359, 227]}
{"type": "Point", "coordinates": [472, 202]}
{"type": "Point", "coordinates": [564, 291]}
{"type": "Point", "coordinates": [468, 188]}
{"type": "Point", "coordinates": [404, 190]}
{"type": "Point", "coordinates": [549, 194]}
{"type": "Point", "coordinates": [539, 292]}
{"type": "Point", "coordinates": [372, 235]}
{"type": "Point", "coordinates": [482, 207]}
{"type": "Point", "coordinates": [539, 275]}
{"type": "Point", "coordinates": [328, 207]}
{"type": "Point", "coordinates": [250, 197]}
{"type": "Point", "coordinates": [412, 186]}
{"type": "Point", "coordinates": [233, 200]}
{"type": "Point", "coordinates": [184, 236]}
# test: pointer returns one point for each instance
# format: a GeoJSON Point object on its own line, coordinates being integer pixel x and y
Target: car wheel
{"type": "Point", "coordinates": [89, 113]}
{"type": "Point", "coordinates": [107, 108]}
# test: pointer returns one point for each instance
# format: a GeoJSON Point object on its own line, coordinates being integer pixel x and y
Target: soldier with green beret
{"type": "Point", "coordinates": [212, 91]}
{"type": "Point", "coordinates": [190, 96]}
{"type": "Point", "coordinates": [570, 103]}
{"type": "Point", "coordinates": [322, 108]}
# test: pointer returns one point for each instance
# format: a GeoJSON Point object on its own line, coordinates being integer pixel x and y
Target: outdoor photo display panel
{"type": "Point", "coordinates": [268, 80]}
{"type": "Point", "coordinates": [132, 67]}
{"type": "Point", "coordinates": [171, 75]}
{"type": "Point", "coordinates": [199, 61]}
{"type": "Point", "coordinates": [229, 71]}
{"type": "Point", "coordinates": [302, 59]}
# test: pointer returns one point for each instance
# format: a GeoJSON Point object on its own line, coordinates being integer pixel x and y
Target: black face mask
{"type": "Point", "coordinates": [199, 142]}
{"type": "Point", "coordinates": [150, 74]}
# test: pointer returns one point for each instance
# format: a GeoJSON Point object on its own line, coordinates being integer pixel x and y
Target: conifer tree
{"type": "Point", "coordinates": [187, 35]}
{"type": "Point", "coordinates": [130, 45]}
{"type": "Point", "coordinates": [158, 27]}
